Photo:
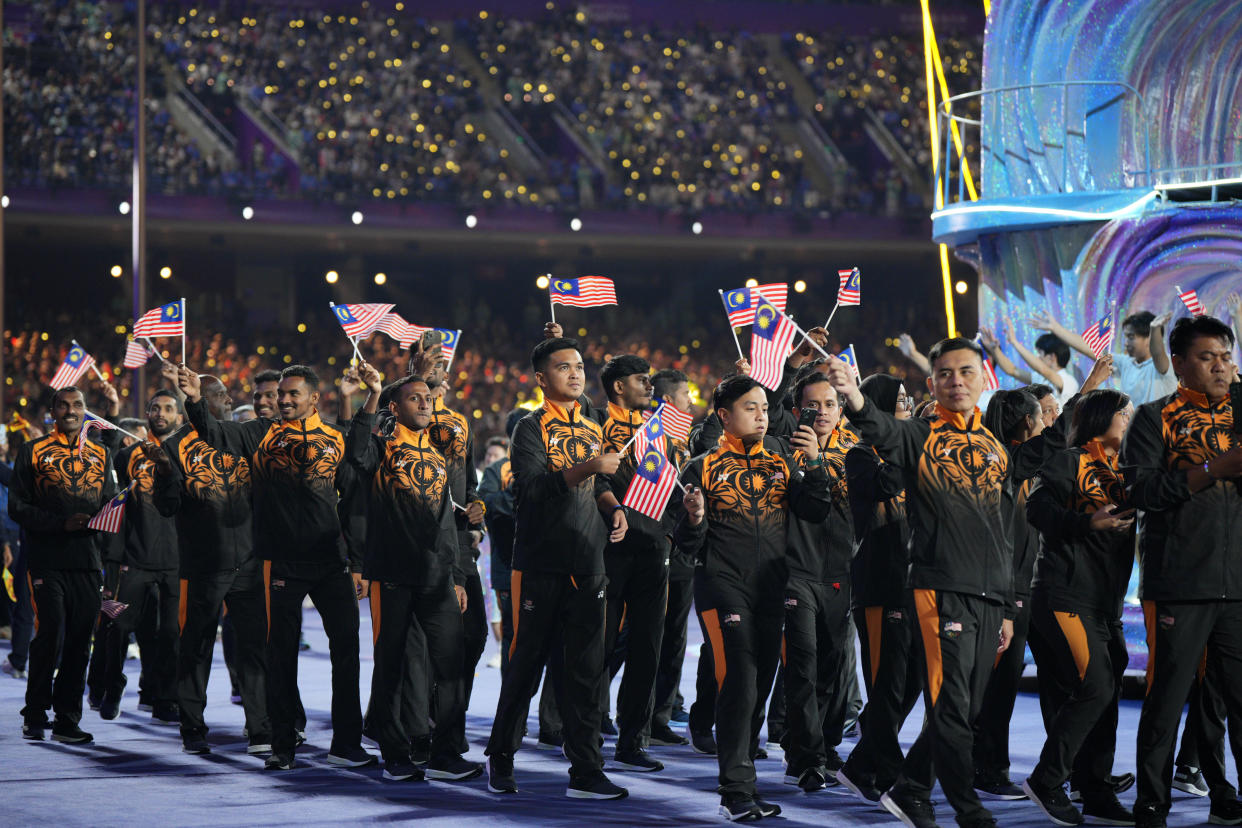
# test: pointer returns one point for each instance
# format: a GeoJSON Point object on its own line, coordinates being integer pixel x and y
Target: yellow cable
{"type": "Point", "coordinates": [928, 38]}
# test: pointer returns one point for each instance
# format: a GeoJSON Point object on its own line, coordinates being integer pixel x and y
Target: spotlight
{"type": "Point", "coordinates": [356, 218]}
{"type": "Point", "coordinates": [542, 283]}
{"type": "Point", "coordinates": [575, 224]}
{"type": "Point", "coordinates": [247, 212]}
{"type": "Point", "coordinates": [696, 228]}
{"type": "Point", "coordinates": [960, 287]}
{"type": "Point", "coordinates": [331, 276]}
{"type": "Point", "coordinates": [4, 201]}
{"type": "Point", "coordinates": [380, 278]}
{"type": "Point", "coordinates": [115, 271]}
{"type": "Point", "coordinates": [471, 221]}
{"type": "Point", "coordinates": [124, 208]}
{"type": "Point", "coordinates": [165, 272]}
{"type": "Point", "coordinates": [799, 286]}
{"type": "Point", "coordinates": [752, 283]}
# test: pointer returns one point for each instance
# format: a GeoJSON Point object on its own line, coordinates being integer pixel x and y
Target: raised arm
{"type": "Point", "coordinates": [240, 439]}
{"type": "Point", "coordinates": [898, 441]}
{"type": "Point", "coordinates": [905, 343]}
{"type": "Point", "coordinates": [1001, 359]}
{"type": "Point", "coordinates": [1033, 360]}
{"type": "Point", "coordinates": [361, 450]}
{"type": "Point", "coordinates": [1159, 352]}
{"type": "Point", "coordinates": [1043, 321]}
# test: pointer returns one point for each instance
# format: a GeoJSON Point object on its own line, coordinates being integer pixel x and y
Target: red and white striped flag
{"type": "Point", "coordinates": [583, 292]}
{"type": "Point", "coordinates": [770, 339]}
{"type": "Point", "coordinates": [850, 292]}
{"type": "Point", "coordinates": [136, 354]}
{"type": "Point", "coordinates": [77, 362]}
{"type": "Point", "coordinates": [1099, 337]}
{"type": "Point", "coordinates": [91, 422]}
{"type": "Point", "coordinates": [166, 320]}
{"type": "Point", "coordinates": [360, 320]}
{"type": "Point", "coordinates": [1190, 299]}
{"type": "Point", "coordinates": [109, 517]}
{"type": "Point", "coordinates": [990, 381]}
{"type": "Point", "coordinates": [740, 303]}
{"type": "Point", "coordinates": [395, 326]}
{"type": "Point", "coordinates": [112, 608]}
{"type": "Point", "coordinates": [675, 422]}
{"type": "Point", "coordinates": [652, 484]}
{"type": "Point", "coordinates": [448, 344]}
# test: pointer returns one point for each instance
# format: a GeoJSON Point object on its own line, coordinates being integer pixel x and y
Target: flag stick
{"type": "Point", "coordinates": [805, 336]}
{"type": "Point", "coordinates": [634, 436]}
{"type": "Point", "coordinates": [114, 425]}
{"type": "Point", "coordinates": [94, 367]}
{"type": "Point", "coordinates": [154, 349]}
{"type": "Point", "coordinates": [357, 354]}
{"type": "Point", "coordinates": [551, 304]}
{"type": "Point", "coordinates": [732, 329]}
{"type": "Point", "coordinates": [183, 354]}
{"type": "Point", "coordinates": [834, 313]}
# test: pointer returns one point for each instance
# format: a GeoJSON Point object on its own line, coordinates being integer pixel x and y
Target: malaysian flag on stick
{"type": "Point", "coordinates": [109, 517]}
{"type": "Point", "coordinates": [395, 326]}
{"type": "Point", "coordinates": [1099, 337]}
{"type": "Point", "coordinates": [675, 422]}
{"type": "Point", "coordinates": [850, 291]}
{"type": "Point", "coordinates": [360, 320]}
{"type": "Point", "coordinates": [583, 292]}
{"type": "Point", "coordinates": [137, 354]}
{"type": "Point", "coordinates": [651, 486]}
{"type": "Point", "coordinates": [770, 338]}
{"type": "Point", "coordinates": [77, 362]}
{"type": "Point", "coordinates": [448, 344]}
{"type": "Point", "coordinates": [990, 381]}
{"type": "Point", "coordinates": [651, 435]}
{"type": "Point", "coordinates": [740, 303]}
{"type": "Point", "coordinates": [850, 356]}
{"type": "Point", "coordinates": [112, 608]}
{"type": "Point", "coordinates": [166, 320]}
{"type": "Point", "coordinates": [1190, 299]}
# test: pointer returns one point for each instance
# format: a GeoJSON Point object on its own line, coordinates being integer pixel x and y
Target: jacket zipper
{"type": "Point", "coordinates": [974, 485]}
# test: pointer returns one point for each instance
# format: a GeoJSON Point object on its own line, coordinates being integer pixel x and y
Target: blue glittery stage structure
{"type": "Point", "coordinates": [1108, 137]}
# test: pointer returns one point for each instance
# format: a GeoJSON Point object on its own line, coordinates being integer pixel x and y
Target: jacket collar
{"type": "Point", "coordinates": [562, 412]}
{"type": "Point", "coordinates": [962, 422]}
{"type": "Point", "coordinates": [401, 434]}
{"type": "Point", "coordinates": [1198, 398]}
{"type": "Point", "coordinates": [624, 415]}
{"type": "Point", "coordinates": [1095, 450]}
{"type": "Point", "coordinates": [310, 423]}
{"type": "Point", "coordinates": [735, 445]}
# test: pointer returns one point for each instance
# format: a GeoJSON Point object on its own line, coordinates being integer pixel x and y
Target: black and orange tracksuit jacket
{"type": "Point", "coordinates": [1190, 544]}
{"type": "Point", "coordinates": [208, 492]}
{"type": "Point", "coordinates": [820, 551]}
{"type": "Point", "coordinates": [150, 537]}
{"type": "Point", "coordinates": [879, 573]}
{"type": "Point", "coordinates": [749, 493]}
{"type": "Point", "coordinates": [954, 472]}
{"type": "Point", "coordinates": [296, 468]}
{"type": "Point", "coordinates": [52, 482]}
{"type": "Point", "coordinates": [411, 534]}
{"type": "Point", "coordinates": [1080, 570]}
{"type": "Point", "coordinates": [558, 530]}
{"type": "Point", "coordinates": [450, 434]}
{"type": "Point", "coordinates": [618, 428]}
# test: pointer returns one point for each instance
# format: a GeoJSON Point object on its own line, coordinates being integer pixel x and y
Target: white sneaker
{"type": "Point", "coordinates": [494, 662]}
{"type": "Point", "coordinates": [8, 667]}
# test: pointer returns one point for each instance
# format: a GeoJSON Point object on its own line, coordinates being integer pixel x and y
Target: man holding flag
{"type": "Point", "coordinates": [57, 487]}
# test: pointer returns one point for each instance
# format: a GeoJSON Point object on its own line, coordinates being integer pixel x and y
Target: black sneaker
{"type": "Point", "coordinates": [606, 727]}
{"type": "Point", "coordinates": [33, 731]}
{"type": "Point", "coordinates": [1122, 782]}
{"type": "Point", "coordinates": [665, 736]}
{"type": "Point", "coordinates": [454, 769]}
{"type": "Point", "coordinates": [1190, 780]}
{"type": "Point", "coordinates": [861, 786]}
{"type": "Point", "coordinates": [1224, 812]}
{"type": "Point", "coordinates": [767, 809]}
{"type": "Point", "coordinates": [636, 760]}
{"type": "Point", "coordinates": [303, 644]}
{"type": "Point", "coordinates": [299, 738]}
{"type": "Point", "coordinates": [738, 807]}
{"type": "Point", "coordinates": [93, 700]}
{"type": "Point", "coordinates": [166, 713]}
{"type": "Point", "coordinates": [811, 779]}
{"type": "Point", "coordinates": [704, 743]}
{"type": "Point", "coordinates": [913, 812]}
{"type": "Point", "coordinates": [351, 758]}
{"type": "Point", "coordinates": [402, 769]}
{"type": "Point", "coordinates": [1054, 803]}
{"type": "Point", "coordinates": [69, 733]}
{"type": "Point", "coordinates": [109, 707]}
{"type": "Point", "coordinates": [760, 753]}
{"type": "Point", "coordinates": [1150, 817]}
{"type": "Point", "coordinates": [550, 741]}
{"type": "Point", "coordinates": [997, 786]}
{"type": "Point", "coordinates": [834, 762]}
{"type": "Point", "coordinates": [500, 774]}
{"type": "Point", "coordinates": [850, 729]}
{"type": "Point", "coordinates": [259, 746]}
{"type": "Point", "coordinates": [279, 762]}
{"type": "Point", "coordinates": [597, 786]}
{"type": "Point", "coordinates": [195, 745]}
{"type": "Point", "coordinates": [420, 750]}
{"type": "Point", "coordinates": [1108, 811]}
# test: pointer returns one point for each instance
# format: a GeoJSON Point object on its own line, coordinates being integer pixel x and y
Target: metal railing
{"type": "Point", "coordinates": [950, 163]}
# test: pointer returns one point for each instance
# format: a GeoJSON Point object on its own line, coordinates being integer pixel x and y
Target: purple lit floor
{"type": "Point", "coordinates": [136, 774]}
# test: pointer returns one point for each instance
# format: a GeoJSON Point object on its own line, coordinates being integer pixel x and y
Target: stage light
{"type": "Point", "coordinates": [960, 287]}
{"type": "Point", "coordinates": [165, 272]}
{"type": "Point", "coordinates": [799, 286]}
{"type": "Point", "coordinates": [542, 283]}
{"type": "Point", "coordinates": [380, 278]}
{"type": "Point", "coordinates": [696, 228]}
{"type": "Point", "coordinates": [752, 283]}
{"type": "Point", "coordinates": [575, 224]}
{"type": "Point", "coordinates": [124, 208]}
{"type": "Point", "coordinates": [247, 212]}
{"type": "Point", "coordinates": [356, 218]}
{"type": "Point", "coordinates": [331, 276]}
{"type": "Point", "coordinates": [471, 221]}
{"type": "Point", "coordinates": [4, 202]}
{"type": "Point", "coordinates": [115, 271]}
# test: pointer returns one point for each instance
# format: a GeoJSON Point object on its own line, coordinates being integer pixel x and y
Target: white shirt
{"type": "Point", "coordinates": [1140, 381]}
{"type": "Point", "coordinates": [1069, 386]}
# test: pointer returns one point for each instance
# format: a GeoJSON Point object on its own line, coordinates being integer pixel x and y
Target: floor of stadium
{"type": "Point", "coordinates": [135, 772]}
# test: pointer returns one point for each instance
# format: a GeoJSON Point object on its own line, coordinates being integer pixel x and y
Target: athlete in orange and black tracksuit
{"type": "Point", "coordinates": [1080, 582]}
{"type": "Point", "coordinates": [148, 572]}
{"type": "Point", "coordinates": [817, 628]}
{"type": "Point", "coordinates": [296, 467]}
{"type": "Point", "coordinates": [51, 482]}
{"type": "Point", "coordinates": [557, 585]}
{"type": "Point", "coordinates": [1190, 559]}
{"type": "Point", "coordinates": [412, 562]}
{"type": "Point", "coordinates": [209, 493]}
{"type": "Point", "coordinates": [749, 493]}
{"type": "Point", "coordinates": [961, 575]}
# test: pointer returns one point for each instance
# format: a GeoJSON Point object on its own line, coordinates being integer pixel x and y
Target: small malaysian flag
{"type": "Point", "coordinates": [112, 608]}
{"type": "Point", "coordinates": [136, 354]}
{"type": "Point", "coordinates": [77, 362]}
{"type": "Point", "coordinates": [675, 422]}
{"type": "Point", "coordinates": [395, 326]}
{"type": "Point", "coordinates": [447, 345]}
{"type": "Point", "coordinates": [109, 517]}
{"type": "Point", "coordinates": [1190, 299]}
{"type": "Point", "coordinates": [583, 292]}
{"type": "Point", "coordinates": [651, 486]}
{"type": "Point", "coordinates": [360, 320]}
{"type": "Point", "coordinates": [770, 339]}
{"type": "Point", "coordinates": [651, 435]}
{"type": "Point", "coordinates": [166, 320]}
{"type": "Point", "coordinates": [851, 285]}
{"type": "Point", "coordinates": [851, 356]}
{"type": "Point", "coordinates": [91, 422]}
{"type": "Point", "coordinates": [740, 302]}
{"type": "Point", "coordinates": [990, 380]}
{"type": "Point", "coordinates": [1099, 337]}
